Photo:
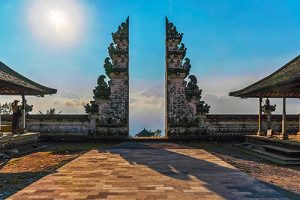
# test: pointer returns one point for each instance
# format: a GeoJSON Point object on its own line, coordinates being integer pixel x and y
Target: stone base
{"type": "Point", "coordinates": [110, 132]}
{"type": "Point", "coordinates": [270, 133]}
{"type": "Point", "coordinates": [260, 133]}
{"type": "Point", "coordinates": [284, 136]}
{"type": "Point", "coordinates": [186, 133]}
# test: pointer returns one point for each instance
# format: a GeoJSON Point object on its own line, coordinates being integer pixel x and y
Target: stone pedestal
{"type": "Point", "coordinates": [270, 133]}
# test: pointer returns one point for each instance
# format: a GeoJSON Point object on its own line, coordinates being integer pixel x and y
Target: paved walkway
{"type": "Point", "coordinates": [147, 171]}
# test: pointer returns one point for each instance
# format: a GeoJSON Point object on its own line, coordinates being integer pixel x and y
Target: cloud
{"type": "Point", "coordinates": [69, 95]}
{"type": "Point", "coordinates": [216, 93]}
{"type": "Point", "coordinates": [146, 111]}
{"type": "Point", "coordinates": [75, 103]}
{"type": "Point", "coordinates": [222, 85]}
{"type": "Point", "coordinates": [66, 105]}
{"type": "Point", "coordinates": [157, 89]}
{"type": "Point", "coordinates": [68, 102]}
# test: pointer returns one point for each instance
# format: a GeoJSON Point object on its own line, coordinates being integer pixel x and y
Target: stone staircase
{"type": "Point", "coordinates": [283, 155]}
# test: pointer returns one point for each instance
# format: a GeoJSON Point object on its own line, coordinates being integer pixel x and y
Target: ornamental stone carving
{"type": "Point", "coordinates": [109, 110]}
{"type": "Point", "coordinates": [185, 109]}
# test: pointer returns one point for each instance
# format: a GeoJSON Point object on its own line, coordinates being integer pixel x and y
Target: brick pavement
{"type": "Point", "coordinates": [147, 171]}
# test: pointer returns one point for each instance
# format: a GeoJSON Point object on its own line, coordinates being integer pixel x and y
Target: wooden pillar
{"type": "Point", "coordinates": [259, 132]}
{"type": "Point", "coordinates": [299, 125]}
{"type": "Point", "coordinates": [284, 134]}
{"type": "Point", "coordinates": [23, 113]}
{"type": "Point", "coordinates": [0, 121]}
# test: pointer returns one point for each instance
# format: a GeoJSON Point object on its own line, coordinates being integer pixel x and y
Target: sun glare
{"type": "Point", "coordinates": [57, 19]}
{"type": "Point", "coordinates": [58, 23]}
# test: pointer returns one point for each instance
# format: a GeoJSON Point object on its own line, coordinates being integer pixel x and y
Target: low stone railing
{"type": "Point", "coordinates": [216, 125]}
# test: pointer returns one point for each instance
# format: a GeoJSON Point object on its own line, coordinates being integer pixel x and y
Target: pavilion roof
{"type": "Point", "coordinates": [144, 133]}
{"type": "Point", "coordinates": [13, 83]}
{"type": "Point", "coordinates": [285, 82]}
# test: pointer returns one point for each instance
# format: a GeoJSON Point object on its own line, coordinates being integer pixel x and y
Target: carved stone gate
{"type": "Point", "coordinates": [185, 112]}
{"type": "Point", "coordinates": [109, 111]}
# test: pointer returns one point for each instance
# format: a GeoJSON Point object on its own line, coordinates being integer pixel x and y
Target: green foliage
{"type": "Point", "coordinates": [187, 66]}
{"type": "Point", "coordinates": [202, 107]}
{"type": "Point", "coordinates": [157, 133]}
{"type": "Point", "coordinates": [28, 109]}
{"type": "Point", "coordinates": [6, 109]}
{"type": "Point", "coordinates": [192, 91]}
{"type": "Point", "coordinates": [91, 108]}
{"type": "Point", "coordinates": [102, 90]}
{"type": "Point", "coordinates": [51, 111]}
{"type": "Point", "coordinates": [108, 66]}
{"type": "Point", "coordinates": [114, 51]}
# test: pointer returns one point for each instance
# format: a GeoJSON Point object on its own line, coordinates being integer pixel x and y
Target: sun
{"type": "Point", "coordinates": [57, 19]}
{"type": "Point", "coordinates": [57, 23]}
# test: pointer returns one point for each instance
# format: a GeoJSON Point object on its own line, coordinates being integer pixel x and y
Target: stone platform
{"type": "Point", "coordinates": [9, 140]}
{"type": "Point", "coordinates": [147, 171]}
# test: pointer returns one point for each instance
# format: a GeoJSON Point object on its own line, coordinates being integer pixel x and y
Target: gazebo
{"type": "Point", "coordinates": [283, 83]}
{"type": "Point", "coordinates": [13, 83]}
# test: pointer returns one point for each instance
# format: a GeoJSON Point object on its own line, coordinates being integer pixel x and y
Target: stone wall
{"type": "Point", "coordinates": [236, 125]}
{"type": "Point", "coordinates": [76, 127]}
{"type": "Point", "coordinates": [55, 124]}
{"type": "Point", "coordinates": [222, 126]}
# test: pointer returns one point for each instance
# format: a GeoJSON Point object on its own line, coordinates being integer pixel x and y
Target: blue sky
{"type": "Point", "coordinates": [230, 43]}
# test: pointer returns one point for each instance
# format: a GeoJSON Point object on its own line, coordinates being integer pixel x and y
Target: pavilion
{"type": "Point", "coordinates": [12, 83]}
{"type": "Point", "coordinates": [283, 83]}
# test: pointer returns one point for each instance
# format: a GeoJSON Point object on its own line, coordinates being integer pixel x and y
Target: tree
{"type": "Point", "coordinates": [91, 108]}
{"type": "Point", "coordinates": [157, 133]}
{"type": "Point", "coordinates": [6, 109]}
{"type": "Point", "coordinates": [101, 91]}
{"type": "Point", "coordinates": [192, 91]}
{"type": "Point", "coordinates": [28, 108]}
{"type": "Point", "coordinates": [51, 111]}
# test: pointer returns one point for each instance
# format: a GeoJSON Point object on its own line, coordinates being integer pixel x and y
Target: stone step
{"type": "Point", "coordinates": [276, 156]}
{"type": "Point", "coordinates": [258, 151]}
{"type": "Point", "coordinates": [282, 150]}
{"type": "Point", "coordinates": [263, 140]}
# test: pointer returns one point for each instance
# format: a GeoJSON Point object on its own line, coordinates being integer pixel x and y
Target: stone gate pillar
{"type": "Point", "coordinates": [183, 99]}
{"type": "Point", "coordinates": [109, 111]}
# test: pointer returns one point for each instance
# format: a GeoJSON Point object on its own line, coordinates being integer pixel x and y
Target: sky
{"type": "Point", "coordinates": [231, 44]}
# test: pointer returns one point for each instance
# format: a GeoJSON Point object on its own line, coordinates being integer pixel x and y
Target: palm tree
{"type": "Point", "coordinates": [51, 111]}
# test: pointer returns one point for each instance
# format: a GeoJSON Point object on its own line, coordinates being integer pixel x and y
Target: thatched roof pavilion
{"type": "Point", "coordinates": [283, 83]}
{"type": "Point", "coordinates": [13, 83]}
